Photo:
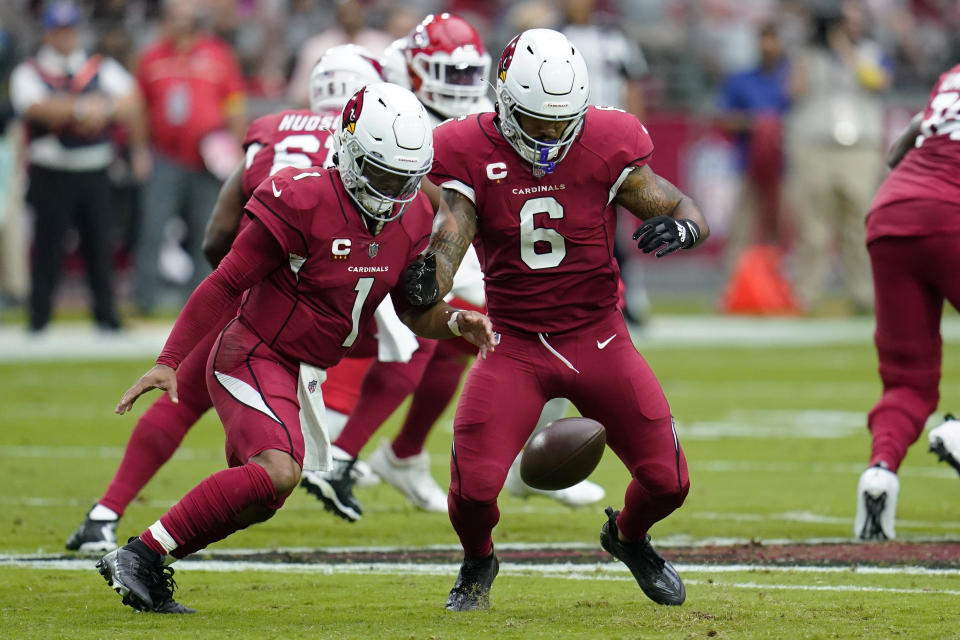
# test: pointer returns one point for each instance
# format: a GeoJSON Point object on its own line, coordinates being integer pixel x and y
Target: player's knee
{"type": "Point", "coordinates": [283, 470]}
{"type": "Point", "coordinates": [666, 487]}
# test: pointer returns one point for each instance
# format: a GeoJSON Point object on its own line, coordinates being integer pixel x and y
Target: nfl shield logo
{"type": "Point", "coordinates": [373, 249]}
{"type": "Point", "coordinates": [312, 386]}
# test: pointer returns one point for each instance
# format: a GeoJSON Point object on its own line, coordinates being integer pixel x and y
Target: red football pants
{"type": "Point", "coordinates": [599, 370]}
{"type": "Point", "coordinates": [911, 278]}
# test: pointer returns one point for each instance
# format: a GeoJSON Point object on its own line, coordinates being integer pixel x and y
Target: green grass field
{"type": "Point", "coordinates": [774, 437]}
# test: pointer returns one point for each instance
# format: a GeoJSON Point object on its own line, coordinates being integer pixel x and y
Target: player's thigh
{"type": "Point", "coordinates": [618, 389]}
{"type": "Point", "coordinates": [907, 307]}
{"type": "Point", "coordinates": [498, 410]}
{"type": "Point", "coordinates": [255, 396]}
{"type": "Point", "coordinates": [944, 265]}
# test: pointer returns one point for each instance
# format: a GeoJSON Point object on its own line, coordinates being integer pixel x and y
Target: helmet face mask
{"type": "Point", "coordinates": [542, 76]}
{"type": "Point", "coordinates": [384, 149]}
{"type": "Point", "coordinates": [447, 64]}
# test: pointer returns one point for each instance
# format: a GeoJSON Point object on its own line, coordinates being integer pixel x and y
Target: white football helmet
{"type": "Point", "coordinates": [447, 64]}
{"type": "Point", "coordinates": [384, 147]}
{"type": "Point", "coordinates": [339, 74]}
{"type": "Point", "coordinates": [541, 75]}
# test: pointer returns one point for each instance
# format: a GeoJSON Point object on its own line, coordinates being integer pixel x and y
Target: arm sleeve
{"type": "Point", "coordinates": [26, 88]}
{"type": "Point", "coordinates": [255, 254]}
{"type": "Point", "coordinates": [285, 209]}
{"type": "Point", "coordinates": [116, 81]}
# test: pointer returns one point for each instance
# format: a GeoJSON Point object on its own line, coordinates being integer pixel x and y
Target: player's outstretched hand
{"type": "Point", "coordinates": [420, 281]}
{"type": "Point", "coordinates": [160, 377]}
{"type": "Point", "coordinates": [477, 329]}
{"type": "Point", "coordinates": [666, 234]}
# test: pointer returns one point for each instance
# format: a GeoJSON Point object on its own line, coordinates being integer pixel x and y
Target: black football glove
{"type": "Point", "coordinates": [420, 281]}
{"type": "Point", "coordinates": [667, 234]}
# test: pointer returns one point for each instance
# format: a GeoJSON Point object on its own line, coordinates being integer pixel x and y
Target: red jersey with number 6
{"type": "Point", "coordinates": [296, 138]}
{"type": "Point", "coordinates": [545, 244]}
{"type": "Point", "coordinates": [921, 196]}
{"type": "Point", "coordinates": [313, 308]}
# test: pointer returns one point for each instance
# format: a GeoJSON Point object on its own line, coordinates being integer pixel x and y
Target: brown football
{"type": "Point", "coordinates": [563, 453]}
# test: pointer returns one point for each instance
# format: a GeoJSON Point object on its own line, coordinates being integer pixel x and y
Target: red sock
{"type": "Point", "coordinates": [385, 387]}
{"type": "Point", "coordinates": [430, 399]}
{"type": "Point", "coordinates": [893, 432]}
{"type": "Point", "coordinates": [157, 435]}
{"type": "Point", "coordinates": [474, 523]}
{"type": "Point", "coordinates": [208, 512]}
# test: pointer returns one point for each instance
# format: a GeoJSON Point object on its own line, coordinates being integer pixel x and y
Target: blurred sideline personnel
{"type": "Point", "coordinates": [303, 311]}
{"type": "Point", "coordinates": [197, 112]}
{"type": "Point", "coordinates": [297, 138]}
{"type": "Point", "coordinates": [752, 105]}
{"type": "Point", "coordinates": [537, 184]}
{"type": "Point", "coordinates": [444, 61]}
{"type": "Point", "coordinates": [836, 141]}
{"type": "Point", "coordinates": [913, 236]}
{"type": "Point", "coordinates": [69, 101]}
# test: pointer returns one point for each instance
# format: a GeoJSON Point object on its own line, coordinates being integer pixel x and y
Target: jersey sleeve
{"type": "Point", "coordinates": [450, 169]}
{"type": "Point", "coordinates": [628, 145]}
{"type": "Point", "coordinates": [285, 203]}
{"type": "Point", "coordinates": [258, 153]}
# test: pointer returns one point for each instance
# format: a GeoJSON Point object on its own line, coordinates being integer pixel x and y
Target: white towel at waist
{"type": "Point", "coordinates": [313, 424]}
{"type": "Point", "coordinates": [395, 342]}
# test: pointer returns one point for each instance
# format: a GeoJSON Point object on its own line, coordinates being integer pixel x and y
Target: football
{"type": "Point", "coordinates": [563, 453]}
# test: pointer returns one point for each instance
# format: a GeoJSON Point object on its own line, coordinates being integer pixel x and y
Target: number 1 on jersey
{"type": "Point", "coordinates": [363, 290]}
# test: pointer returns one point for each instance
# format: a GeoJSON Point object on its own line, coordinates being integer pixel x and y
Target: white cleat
{"type": "Point", "coordinates": [945, 442]}
{"type": "Point", "coordinates": [579, 495]}
{"type": "Point", "coordinates": [364, 475]}
{"type": "Point", "coordinates": [410, 476]}
{"type": "Point", "coordinates": [877, 494]}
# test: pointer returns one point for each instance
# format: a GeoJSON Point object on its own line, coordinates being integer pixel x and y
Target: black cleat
{"type": "Point", "coordinates": [471, 591]}
{"type": "Point", "coordinates": [656, 577]}
{"type": "Point", "coordinates": [140, 577]}
{"type": "Point", "coordinates": [94, 536]}
{"type": "Point", "coordinates": [334, 489]}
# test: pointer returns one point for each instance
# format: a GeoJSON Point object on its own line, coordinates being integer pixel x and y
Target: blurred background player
{"type": "Point", "coordinates": [296, 138]}
{"type": "Point", "coordinates": [196, 105]}
{"type": "Point", "coordinates": [71, 101]}
{"type": "Point", "coordinates": [543, 175]}
{"type": "Point", "coordinates": [445, 63]}
{"type": "Point", "coordinates": [913, 236]}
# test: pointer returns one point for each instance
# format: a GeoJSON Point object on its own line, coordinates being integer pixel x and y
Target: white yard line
{"type": "Point", "coordinates": [567, 571]}
{"type": "Point", "coordinates": [541, 507]}
{"type": "Point", "coordinates": [73, 342]}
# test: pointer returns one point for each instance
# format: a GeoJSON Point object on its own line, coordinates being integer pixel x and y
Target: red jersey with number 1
{"type": "Point", "coordinates": [312, 309]}
{"type": "Point", "coordinates": [545, 244]}
{"type": "Point", "coordinates": [921, 196]}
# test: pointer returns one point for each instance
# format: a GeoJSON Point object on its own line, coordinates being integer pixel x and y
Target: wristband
{"type": "Point", "coordinates": [453, 325]}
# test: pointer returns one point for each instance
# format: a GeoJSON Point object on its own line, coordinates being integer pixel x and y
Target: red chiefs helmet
{"type": "Point", "coordinates": [447, 64]}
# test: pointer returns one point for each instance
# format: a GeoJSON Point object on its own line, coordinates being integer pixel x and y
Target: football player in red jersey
{"type": "Point", "coordinates": [444, 62]}
{"type": "Point", "coordinates": [913, 238]}
{"type": "Point", "coordinates": [322, 249]}
{"type": "Point", "coordinates": [535, 187]}
{"type": "Point", "coordinates": [289, 138]}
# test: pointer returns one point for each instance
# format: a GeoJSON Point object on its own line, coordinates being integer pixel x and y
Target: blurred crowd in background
{"type": "Point", "coordinates": [773, 114]}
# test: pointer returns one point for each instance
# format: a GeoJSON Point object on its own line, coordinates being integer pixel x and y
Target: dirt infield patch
{"type": "Point", "coordinates": [939, 555]}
